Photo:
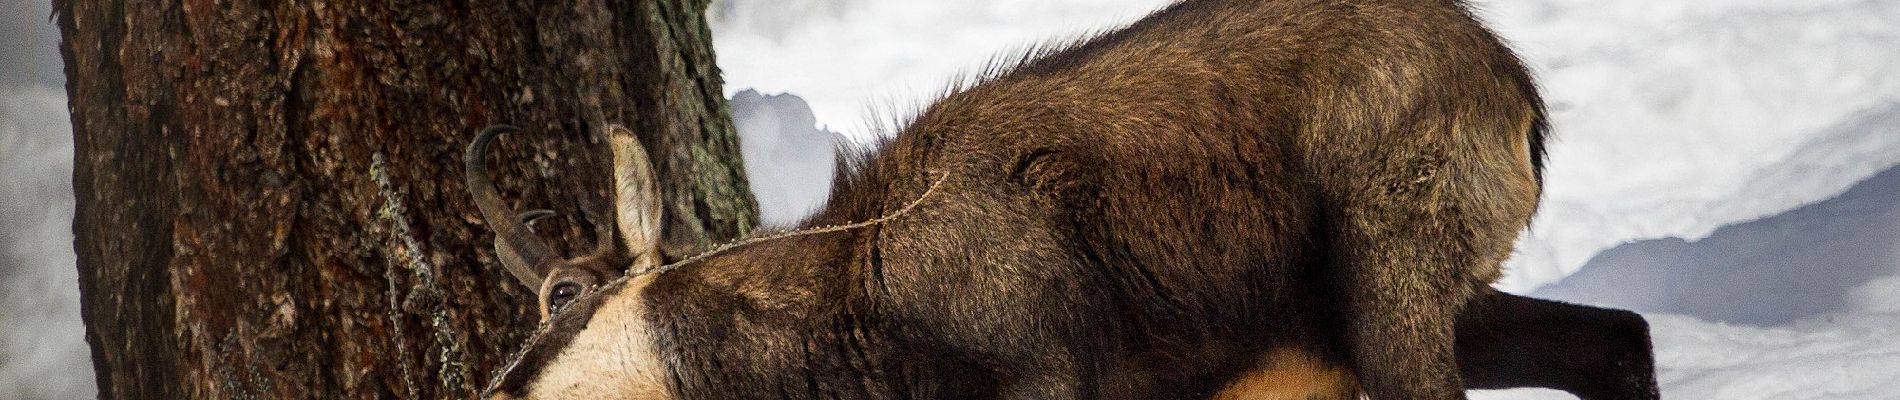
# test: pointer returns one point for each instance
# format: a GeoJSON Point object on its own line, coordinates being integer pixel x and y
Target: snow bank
{"type": "Point", "coordinates": [1805, 304]}
{"type": "Point", "coordinates": [1773, 271]}
{"type": "Point", "coordinates": [43, 353]}
{"type": "Point", "coordinates": [1840, 357]}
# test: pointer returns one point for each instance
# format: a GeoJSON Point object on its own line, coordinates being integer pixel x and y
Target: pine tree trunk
{"type": "Point", "coordinates": [269, 193]}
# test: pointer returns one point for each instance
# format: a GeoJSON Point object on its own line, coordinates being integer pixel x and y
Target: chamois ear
{"type": "Point", "coordinates": [636, 199]}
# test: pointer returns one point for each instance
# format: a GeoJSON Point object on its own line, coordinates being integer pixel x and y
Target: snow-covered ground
{"type": "Point", "coordinates": [1799, 305]}
{"type": "Point", "coordinates": [1839, 255]}
{"type": "Point", "coordinates": [1677, 122]}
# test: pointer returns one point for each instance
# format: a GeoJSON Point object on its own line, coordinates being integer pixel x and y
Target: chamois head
{"type": "Point", "coordinates": [557, 280]}
{"type": "Point", "coordinates": [604, 339]}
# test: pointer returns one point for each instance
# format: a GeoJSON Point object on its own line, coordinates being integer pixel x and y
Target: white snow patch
{"type": "Point", "coordinates": [1520, 394]}
{"type": "Point", "coordinates": [1800, 305]}
{"type": "Point", "coordinates": [1806, 262]}
{"type": "Point", "coordinates": [1843, 356]}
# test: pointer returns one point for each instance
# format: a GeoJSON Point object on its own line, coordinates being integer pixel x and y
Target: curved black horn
{"type": "Point", "coordinates": [603, 260]}
{"type": "Point", "coordinates": [535, 257]}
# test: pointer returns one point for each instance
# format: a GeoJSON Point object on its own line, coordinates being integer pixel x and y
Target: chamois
{"type": "Point", "coordinates": [1227, 199]}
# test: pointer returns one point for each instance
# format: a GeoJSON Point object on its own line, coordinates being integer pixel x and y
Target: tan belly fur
{"type": "Point", "coordinates": [1291, 374]}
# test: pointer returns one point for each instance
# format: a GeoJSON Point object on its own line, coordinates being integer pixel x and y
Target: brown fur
{"type": "Point", "coordinates": [1226, 199]}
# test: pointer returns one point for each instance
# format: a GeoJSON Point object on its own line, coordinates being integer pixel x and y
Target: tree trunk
{"type": "Point", "coordinates": [269, 193]}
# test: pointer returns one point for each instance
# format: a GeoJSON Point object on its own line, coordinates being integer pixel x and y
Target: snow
{"type": "Point", "coordinates": [1772, 271]}
{"type": "Point", "coordinates": [1835, 358]}
{"type": "Point", "coordinates": [1799, 305]}
{"type": "Point", "coordinates": [1846, 357]}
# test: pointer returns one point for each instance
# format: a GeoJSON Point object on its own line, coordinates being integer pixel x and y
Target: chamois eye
{"type": "Point", "coordinates": [561, 294]}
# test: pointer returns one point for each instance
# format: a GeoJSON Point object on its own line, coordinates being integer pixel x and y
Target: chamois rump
{"type": "Point", "coordinates": [1227, 199]}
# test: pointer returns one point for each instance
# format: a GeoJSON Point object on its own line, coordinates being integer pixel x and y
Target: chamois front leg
{"type": "Point", "coordinates": [1510, 341]}
{"type": "Point", "coordinates": [1400, 318]}
{"type": "Point", "coordinates": [1419, 230]}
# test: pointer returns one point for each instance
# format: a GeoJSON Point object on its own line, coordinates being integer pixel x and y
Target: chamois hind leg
{"type": "Point", "coordinates": [1419, 225]}
{"type": "Point", "coordinates": [1508, 341]}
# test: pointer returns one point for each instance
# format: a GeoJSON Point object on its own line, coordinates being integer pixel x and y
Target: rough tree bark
{"type": "Point", "coordinates": [269, 193]}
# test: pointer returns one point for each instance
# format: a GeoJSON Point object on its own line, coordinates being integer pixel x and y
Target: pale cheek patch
{"type": "Point", "coordinates": [613, 358]}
